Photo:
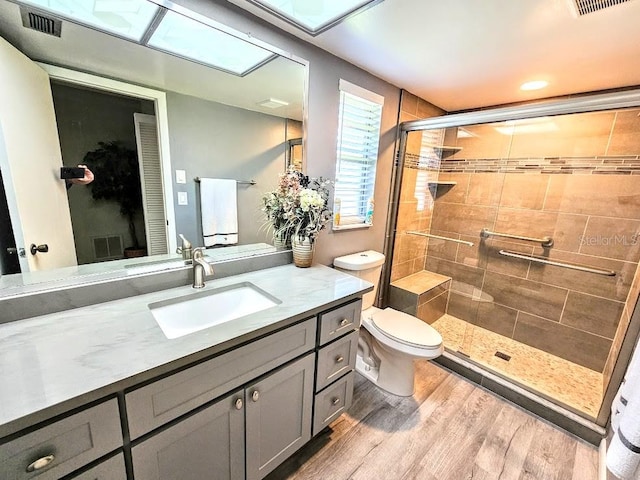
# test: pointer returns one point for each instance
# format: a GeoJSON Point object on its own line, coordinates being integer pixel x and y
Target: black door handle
{"type": "Point", "coordinates": [44, 248]}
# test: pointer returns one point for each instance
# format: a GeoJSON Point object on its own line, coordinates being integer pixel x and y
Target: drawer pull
{"type": "Point", "coordinates": [335, 401]}
{"type": "Point", "coordinates": [339, 359]}
{"type": "Point", "coordinates": [255, 396]}
{"type": "Point", "coordinates": [344, 322]}
{"type": "Point", "coordinates": [40, 463]}
{"type": "Point", "coordinates": [239, 404]}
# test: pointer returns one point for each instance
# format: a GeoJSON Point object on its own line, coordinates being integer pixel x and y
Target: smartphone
{"type": "Point", "coordinates": [71, 172]}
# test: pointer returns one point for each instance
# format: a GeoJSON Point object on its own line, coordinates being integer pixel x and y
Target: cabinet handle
{"type": "Point", "coordinates": [335, 401]}
{"type": "Point", "coordinates": [339, 359]}
{"type": "Point", "coordinates": [40, 463]}
{"type": "Point", "coordinates": [344, 322]}
{"type": "Point", "coordinates": [239, 404]}
{"type": "Point", "coordinates": [255, 396]}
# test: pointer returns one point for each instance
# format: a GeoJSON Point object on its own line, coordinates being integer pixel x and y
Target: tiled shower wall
{"type": "Point", "coordinates": [414, 212]}
{"type": "Point", "coordinates": [574, 178]}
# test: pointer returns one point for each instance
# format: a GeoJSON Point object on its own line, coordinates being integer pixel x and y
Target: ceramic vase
{"type": "Point", "coordinates": [281, 242]}
{"type": "Point", "coordinates": [302, 251]}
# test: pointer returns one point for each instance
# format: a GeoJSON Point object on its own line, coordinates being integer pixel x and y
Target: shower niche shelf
{"type": "Point", "coordinates": [447, 183]}
{"type": "Point", "coordinates": [445, 150]}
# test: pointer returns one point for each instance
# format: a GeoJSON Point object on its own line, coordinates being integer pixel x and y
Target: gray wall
{"type": "Point", "coordinates": [325, 71]}
{"type": "Point", "coordinates": [209, 139]}
{"type": "Point", "coordinates": [86, 117]}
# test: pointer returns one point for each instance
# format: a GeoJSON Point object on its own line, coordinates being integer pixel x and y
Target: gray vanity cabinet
{"type": "Point", "coordinates": [264, 423]}
{"type": "Point", "coordinates": [207, 445]}
{"type": "Point", "coordinates": [57, 449]}
{"type": "Point", "coordinates": [278, 416]}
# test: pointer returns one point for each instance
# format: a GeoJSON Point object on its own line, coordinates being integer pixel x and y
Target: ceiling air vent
{"type": "Point", "coordinates": [41, 23]}
{"type": "Point", "coordinates": [582, 7]}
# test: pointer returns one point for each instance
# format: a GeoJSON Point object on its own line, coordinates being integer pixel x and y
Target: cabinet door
{"type": "Point", "coordinates": [278, 416]}
{"type": "Point", "coordinates": [209, 444]}
{"type": "Point", "coordinates": [112, 469]}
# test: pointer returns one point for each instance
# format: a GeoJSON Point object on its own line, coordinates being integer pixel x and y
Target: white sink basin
{"type": "Point", "coordinates": [191, 313]}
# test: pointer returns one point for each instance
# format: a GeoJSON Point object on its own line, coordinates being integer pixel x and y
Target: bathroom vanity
{"type": "Point", "coordinates": [100, 392]}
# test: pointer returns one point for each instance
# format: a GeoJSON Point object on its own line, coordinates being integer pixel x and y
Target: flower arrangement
{"type": "Point", "coordinates": [298, 206]}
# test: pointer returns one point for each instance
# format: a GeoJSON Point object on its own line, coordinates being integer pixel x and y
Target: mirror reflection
{"type": "Point", "coordinates": [180, 119]}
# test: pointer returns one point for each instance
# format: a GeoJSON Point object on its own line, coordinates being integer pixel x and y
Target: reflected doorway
{"type": "Point", "coordinates": [88, 118]}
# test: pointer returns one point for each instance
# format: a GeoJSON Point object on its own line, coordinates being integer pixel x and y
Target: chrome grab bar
{"type": "Point", "coordinates": [464, 242]}
{"type": "Point", "coordinates": [544, 241]}
{"type": "Point", "coordinates": [546, 261]}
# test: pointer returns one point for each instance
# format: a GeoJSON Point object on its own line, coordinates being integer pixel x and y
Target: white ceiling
{"type": "Point", "coordinates": [461, 54]}
{"type": "Point", "coordinates": [88, 50]}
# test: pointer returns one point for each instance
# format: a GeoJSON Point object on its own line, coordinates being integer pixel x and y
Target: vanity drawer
{"type": "Point", "coordinates": [337, 322]}
{"type": "Point", "coordinates": [336, 359]}
{"type": "Point", "coordinates": [157, 403]}
{"type": "Point", "coordinates": [333, 402]}
{"type": "Point", "coordinates": [112, 469]}
{"type": "Point", "coordinates": [63, 446]}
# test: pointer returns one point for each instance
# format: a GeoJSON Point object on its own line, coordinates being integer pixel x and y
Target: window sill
{"type": "Point", "coordinates": [353, 226]}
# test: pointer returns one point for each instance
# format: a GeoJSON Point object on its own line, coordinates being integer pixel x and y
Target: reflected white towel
{"type": "Point", "coordinates": [630, 383]}
{"type": "Point", "coordinates": [219, 210]}
{"type": "Point", "coordinates": [623, 455]}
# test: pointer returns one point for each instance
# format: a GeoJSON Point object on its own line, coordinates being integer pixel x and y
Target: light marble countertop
{"type": "Point", "coordinates": [52, 363]}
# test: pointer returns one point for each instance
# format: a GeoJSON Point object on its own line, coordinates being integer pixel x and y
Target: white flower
{"type": "Point", "coordinates": [310, 198]}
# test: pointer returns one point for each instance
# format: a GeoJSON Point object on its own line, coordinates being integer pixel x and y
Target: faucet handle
{"type": "Point", "coordinates": [185, 249]}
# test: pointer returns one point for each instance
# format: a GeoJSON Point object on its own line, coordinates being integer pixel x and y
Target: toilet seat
{"type": "Point", "coordinates": [406, 329]}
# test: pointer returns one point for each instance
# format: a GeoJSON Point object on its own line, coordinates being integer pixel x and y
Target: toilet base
{"type": "Point", "coordinates": [398, 382]}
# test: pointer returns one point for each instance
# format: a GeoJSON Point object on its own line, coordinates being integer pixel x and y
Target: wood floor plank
{"type": "Point", "coordinates": [551, 455]}
{"type": "Point", "coordinates": [451, 456]}
{"type": "Point", "coordinates": [585, 466]}
{"type": "Point", "coordinates": [506, 444]}
{"type": "Point", "coordinates": [417, 434]}
{"type": "Point", "coordinates": [449, 430]}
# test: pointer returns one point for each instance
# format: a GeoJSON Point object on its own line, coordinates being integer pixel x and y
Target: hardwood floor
{"type": "Point", "coordinates": [450, 429]}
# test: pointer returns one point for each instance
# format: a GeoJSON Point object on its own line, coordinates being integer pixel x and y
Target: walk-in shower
{"type": "Point", "coordinates": [517, 236]}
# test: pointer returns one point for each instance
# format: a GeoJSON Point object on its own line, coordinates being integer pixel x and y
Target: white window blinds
{"type": "Point", "coordinates": [357, 154]}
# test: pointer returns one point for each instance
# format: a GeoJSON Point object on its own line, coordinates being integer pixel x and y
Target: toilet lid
{"type": "Point", "coordinates": [406, 329]}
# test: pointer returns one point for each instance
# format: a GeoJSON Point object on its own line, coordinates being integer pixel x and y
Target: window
{"type": "Point", "coordinates": [358, 140]}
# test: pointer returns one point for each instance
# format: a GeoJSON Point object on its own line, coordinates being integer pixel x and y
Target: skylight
{"type": "Point", "coordinates": [314, 16]}
{"type": "Point", "coordinates": [149, 24]}
{"type": "Point", "coordinates": [195, 41]}
{"type": "Point", "coordinates": [125, 18]}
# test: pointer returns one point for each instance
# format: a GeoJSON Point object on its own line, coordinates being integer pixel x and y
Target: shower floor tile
{"type": "Point", "coordinates": [576, 387]}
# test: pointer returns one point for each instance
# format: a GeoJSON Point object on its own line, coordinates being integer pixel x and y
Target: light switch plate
{"type": "Point", "coordinates": [182, 198]}
{"type": "Point", "coordinates": [181, 176]}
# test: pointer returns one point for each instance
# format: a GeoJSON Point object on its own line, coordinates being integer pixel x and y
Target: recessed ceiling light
{"type": "Point", "coordinates": [534, 85]}
{"type": "Point", "coordinates": [314, 16]}
{"type": "Point", "coordinates": [273, 103]}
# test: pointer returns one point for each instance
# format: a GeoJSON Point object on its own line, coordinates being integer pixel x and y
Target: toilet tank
{"type": "Point", "coordinates": [365, 265]}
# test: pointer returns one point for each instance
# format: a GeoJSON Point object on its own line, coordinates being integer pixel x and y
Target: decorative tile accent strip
{"type": "Point", "coordinates": [619, 165]}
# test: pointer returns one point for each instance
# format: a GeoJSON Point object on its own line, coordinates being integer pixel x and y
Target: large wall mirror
{"type": "Point", "coordinates": [185, 96]}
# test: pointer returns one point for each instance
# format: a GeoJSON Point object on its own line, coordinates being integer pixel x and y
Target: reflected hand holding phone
{"type": "Point", "coordinates": [80, 175]}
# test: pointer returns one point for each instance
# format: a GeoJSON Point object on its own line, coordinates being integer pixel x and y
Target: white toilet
{"type": "Point", "coordinates": [390, 340]}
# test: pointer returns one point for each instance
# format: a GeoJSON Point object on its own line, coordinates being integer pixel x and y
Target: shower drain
{"type": "Point", "coordinates": [503, 356]}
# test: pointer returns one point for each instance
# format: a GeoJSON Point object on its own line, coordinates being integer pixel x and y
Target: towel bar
{"type": "Point", "coordinates": [544, 241]}
{"type": "Point", "coordinates": [464, 242]}
{"type": "Point", "coordinates": [242, 182]}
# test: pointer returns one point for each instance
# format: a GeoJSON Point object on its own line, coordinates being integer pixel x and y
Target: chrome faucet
{"type": "Point", "coordinates": [185, 249]}
{"type": "Point", "coordinates": [201, 267]}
